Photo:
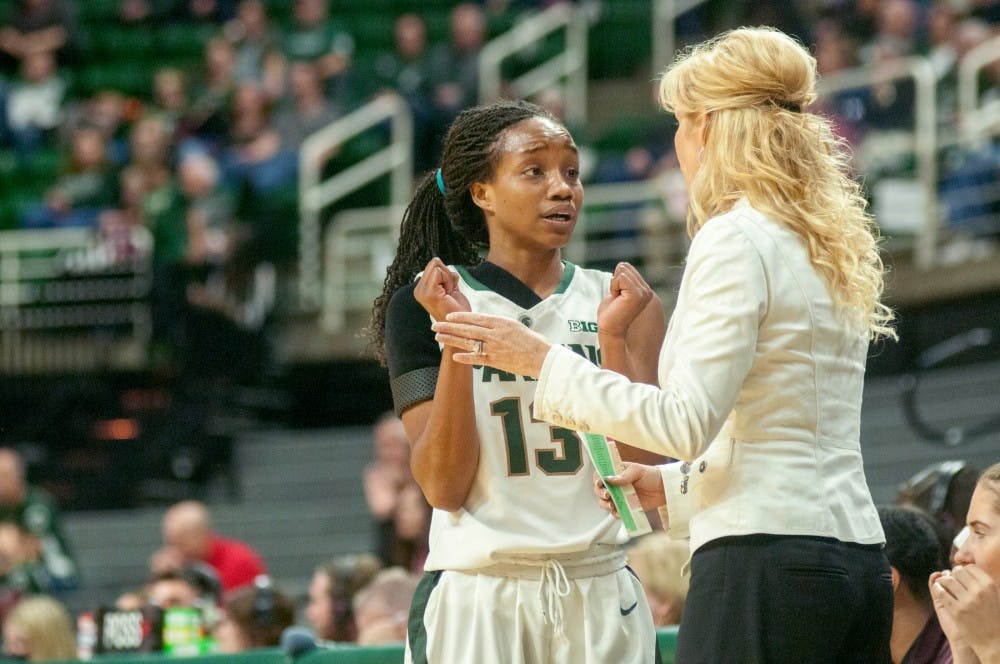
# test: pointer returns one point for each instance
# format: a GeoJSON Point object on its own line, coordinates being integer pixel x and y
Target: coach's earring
{"type": "Point", "coordinates": [701, 152]}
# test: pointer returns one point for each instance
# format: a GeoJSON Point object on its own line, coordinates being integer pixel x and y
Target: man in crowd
{"type": "Point", "coordinates": [188, 538]}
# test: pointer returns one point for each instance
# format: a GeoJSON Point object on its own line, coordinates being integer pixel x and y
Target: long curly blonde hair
{"type": "Point", "coordinates": [752, 84]}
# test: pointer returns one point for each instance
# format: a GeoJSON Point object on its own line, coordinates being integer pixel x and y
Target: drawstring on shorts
{"type": "Point", "coordinates": [552, 588]}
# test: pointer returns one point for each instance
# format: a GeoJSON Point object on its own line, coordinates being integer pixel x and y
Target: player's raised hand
{"type": "Point", "coordinates": [628, 297]}
{"type": "Point", "coordinates": [437, 290]}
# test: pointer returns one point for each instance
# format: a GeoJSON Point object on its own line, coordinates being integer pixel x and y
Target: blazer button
{"type": "Point", "coordinates": [702, 466]}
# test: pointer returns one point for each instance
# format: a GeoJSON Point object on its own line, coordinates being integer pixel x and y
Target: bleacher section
{"type": "Point", "coordinates": [302, 500]}
{"type": "Point", "coordinates": [300, 503]}
{"type": "Point", "coordinates": [120, 57]}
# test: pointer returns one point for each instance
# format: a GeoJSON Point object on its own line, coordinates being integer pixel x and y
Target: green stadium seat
{"type": "Point", "coordinates": [129, 77]}
{"type": "Point", "coordinates": [183, 39]}
{"type": "Point", "coordinates": [122, 44]}
{"type": "Point", "coordinates": [98, 13]}
{"type": "Point", "coordinates": [372, 31]}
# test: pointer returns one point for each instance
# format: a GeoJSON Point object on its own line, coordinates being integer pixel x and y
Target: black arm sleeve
{"type": "Point", "coordinates": [414, 357]}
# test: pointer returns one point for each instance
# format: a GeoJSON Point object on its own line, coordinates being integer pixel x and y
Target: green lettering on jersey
{"type": "Point", "coordinates": [502, 376]}
{"type": "Point", "coordinates": [509, 412]}
{"type": "Point", "coordinates": [587, 351]}
{"type": "Point", "coordinates": [565, 461]}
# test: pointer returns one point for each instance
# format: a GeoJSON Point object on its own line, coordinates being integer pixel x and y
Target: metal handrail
{"type": "Point", "coordinates": [358, 244]}
{"type": "Point", "coordinates": [972, 119]}
{"type": "Point", "coordinates": [570, 64]}
{"type": "Point", "coordinates": [921, 71]}
{"type": "Point", "coordinates": [396, 160]}
{"type": "Point", "coordinates": [364, 234]}
{"type": "Point", "coordinates": [56, 280]}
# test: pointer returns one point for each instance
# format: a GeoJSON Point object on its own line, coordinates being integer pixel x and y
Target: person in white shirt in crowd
{"type": "Point", "coordinates": [760, 375]}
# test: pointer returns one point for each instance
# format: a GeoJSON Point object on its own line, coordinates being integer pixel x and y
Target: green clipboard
{"type": "Point", "coordinates": [604, 454]}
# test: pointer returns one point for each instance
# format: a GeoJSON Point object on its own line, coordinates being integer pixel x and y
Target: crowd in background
{"type": "Point", "coordinates": [206, 160]}
{"type": "Point", "coordinates": [207, 163]}
{"type": "Point", "coordinates": [364, 597]}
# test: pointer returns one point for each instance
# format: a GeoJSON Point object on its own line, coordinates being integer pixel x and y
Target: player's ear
{"type": "Point", "coordinates": [482, 196]}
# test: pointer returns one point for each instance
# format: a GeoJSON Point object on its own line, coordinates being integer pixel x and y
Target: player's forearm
{"type": "Point", "coordinates": [446, 455]}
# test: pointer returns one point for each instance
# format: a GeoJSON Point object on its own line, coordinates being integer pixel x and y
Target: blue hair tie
{"type": "Point", "coordinates": [440, 181]}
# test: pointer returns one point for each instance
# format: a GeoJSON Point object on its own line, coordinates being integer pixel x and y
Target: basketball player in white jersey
{"type": "Point", "coordinates": [523, 565]}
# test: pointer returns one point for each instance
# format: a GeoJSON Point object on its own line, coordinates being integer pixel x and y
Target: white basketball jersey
{"type": "Point", "coordinates": [533, 489]}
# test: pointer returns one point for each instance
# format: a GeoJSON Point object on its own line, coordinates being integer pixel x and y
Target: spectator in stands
{"type": "Point", "coordinates": [897, 22]}
{"type": "Point", "coordinates": [109, 111]}
{"type": "Point", "coordinates": [39, 629]}
{"type": "Point", "coordinates": [381, 607]}
{"type": "Point", "coordinates": [37, 513]}
{"type": "Point", "coordinates": [212, 94]}
{"type": "Point", "coordinates": [967, 598]}
{"type": "Point", "coordinates": [385, 478]}
{"type": "Point", "coordinates": [258, 47]}
{"type": "Point", "coordinates": [964, 35]}
{"type": "Point", "coordinates": [306, 110]}
{"type": "Point", "coordinates": [117, 223]}
{"type": "Point", "coordinates": [34, 104]}
{"type": "Point", "coordinates": [456, 65]}
{"type": "Point", "coordinates": [836, 51]}
{"type": "Point", "coordinates": [162, 212]}
{"type": "Point", "coordinates": [316, 37]}
{"type": "Point", "coordinates": [331, 593]}
{"type": "Point", "coordinates": [407, 71]}
{"type": "Point", "coordinates": [86, 188]}
{"type": "Point", "coordinates": [658, 561]}
{"type": "Point", "coordinates": [412, 524]}
{"type": "Point", "coordinates": [132, 600]}
{"type": "Point", "coordinates": [256, 154]}
{"type": "Point", "coordinates": [188, 538]}
{"type": "Point", "coordinates": [171, 589]}
{"type": "Point", "coordinates": [38, 26]}
{"type": "Point", "coordinates": [208, 214]}
{"type": "Point", "coordinates": [941, 19]}
{"type": "Point", "coordinates": [170, 99]}
{"type": "Point", "coordinates": [914, 551]}
{"type": "Point", "coordinates": [18, 566]}
{"type": "Point", "coordinates": [263, 172]}
{"type": "Point", "coordinates": [153, 11]}
{"type": "Point", "coordinates": [254, 617]}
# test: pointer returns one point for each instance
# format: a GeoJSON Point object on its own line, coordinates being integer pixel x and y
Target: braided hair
{"type": "Point", "coordinates": [450, 225]}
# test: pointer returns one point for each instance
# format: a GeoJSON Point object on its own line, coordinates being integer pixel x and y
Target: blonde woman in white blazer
{"type": "Point", "coordinates": [760, 375]}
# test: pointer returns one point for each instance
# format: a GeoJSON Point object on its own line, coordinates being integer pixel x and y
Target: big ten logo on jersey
{"type": "Point", "coordinates": [582, 326]}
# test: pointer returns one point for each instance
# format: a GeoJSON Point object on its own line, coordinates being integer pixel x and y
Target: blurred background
{"type": "Point", "coordinates": [199, 198]}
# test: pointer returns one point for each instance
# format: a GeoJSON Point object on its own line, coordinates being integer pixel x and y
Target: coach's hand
{"type": "Point", "coordinates": [646, 481]}
{"type": "Point", "coordinates": [495, 341]}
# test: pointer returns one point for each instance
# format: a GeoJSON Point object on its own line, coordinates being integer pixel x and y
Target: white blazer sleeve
{"type": "Point", "coordinates": [722, 300]}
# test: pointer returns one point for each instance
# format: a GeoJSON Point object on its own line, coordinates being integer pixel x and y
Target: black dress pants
{"type": "Point", "coordinates": [759, 599]}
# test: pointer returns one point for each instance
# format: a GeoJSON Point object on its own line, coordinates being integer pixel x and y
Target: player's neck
{"type": "Point", "coordinates": [541, 273]}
